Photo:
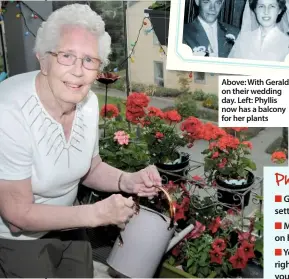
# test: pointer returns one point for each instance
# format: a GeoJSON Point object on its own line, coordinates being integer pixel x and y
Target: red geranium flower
{"type": "Point", "coordinates": [190, 124]}
{"type": "Point", "coordinates": [212, 145]}
{"type": "Point", "coordinates": [159, 135]}
{"type": "Point", "coordinates": [248, 249]}
{"type": "Point", "coordinates": [135, 106]}
{"type": "Point", "coordinates": [215, 155]}
{"type": "Point", "coordinates": [180, 212]}
{"type": "Point", "coordinates": [219, 244]}
{"type": "Point", "coordinates": [211, 132]}
{"type": "Point", "coordinates": [192, 127]}
{"type": "Point", "coordinates": [248, 143]}
{"type": "Point", "coordinates": [223, 163]}
{"type": "Point", "coordinates": [172, 116]}
{"type": "Point", "coordinates": [215, 224]}
{"type": "Point", "coordinates": [239, 260]}
{"type": "Point", "coordinates": [278, 157]}
{"type": "Point", "coordinates": [238, 129]}
{"type": "Point", "coordinates": [110, 110]}
{"type": "Point", "coordinates": [153, 111]}
{"type": "Point", "coordinates": [134, 117]}
{"type": "Point", "coordinates": [228, 141]}
{"type": "Point", "coordinates": [137, 99]}
{"type": "Point", "coordinates": [216, 256]}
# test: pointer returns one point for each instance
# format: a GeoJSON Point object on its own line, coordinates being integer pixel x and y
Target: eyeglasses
{"type": "Point", "coordinates": [69, 59]}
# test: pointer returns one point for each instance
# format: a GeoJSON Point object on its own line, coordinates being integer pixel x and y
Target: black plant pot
{"type": "Point", "coordinates": [252, 270]}
{"type": "Point", "coordinates": [178, 169]}
{"type": "Point", "coordinates": [160, 21]}
{"type": "Point", "coordinates": [234, 198]}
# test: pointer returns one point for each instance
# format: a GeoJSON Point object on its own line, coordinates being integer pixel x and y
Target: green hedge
{"type": "Point", "coordinates": [211, 102]}
{"type": "Point", "coordinates": [154, 90]}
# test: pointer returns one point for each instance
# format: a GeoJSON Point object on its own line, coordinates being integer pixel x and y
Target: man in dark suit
{"type": "Point", "coordinates": [207, 31]}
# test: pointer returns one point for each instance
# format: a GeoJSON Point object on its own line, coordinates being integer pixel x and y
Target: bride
{"type": "Point", "coordinates": [264, 32]}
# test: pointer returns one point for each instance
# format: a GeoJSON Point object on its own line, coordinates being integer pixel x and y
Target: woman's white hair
{"type": "Point", "coordinates": [49, 33]}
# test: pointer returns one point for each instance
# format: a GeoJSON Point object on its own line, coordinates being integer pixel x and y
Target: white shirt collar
{"type": "Point", "coordinates": [206, 25]}
{"type": "Point", "coordinates": [212, 34]}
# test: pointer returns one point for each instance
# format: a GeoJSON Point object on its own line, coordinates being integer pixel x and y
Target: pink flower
{"type": "Point", "coordinates": [159, 135]}
{"type": "Point", "coordinates": [223, 163]}
{"type": "Point", "coordinates": [246, 236]}
{"type": "Point", "coordinates": [215, 155]}
{"type": "Point", "coordinates": [121, 137]}
{"type": "Point", "coordinates": [197, 231]}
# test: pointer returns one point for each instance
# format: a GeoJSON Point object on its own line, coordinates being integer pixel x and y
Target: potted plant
{"type": "Point", "coordinates": [228, 165]}
{"type": "Point", "coordinates": [164, 134]}
{"type": "Point", "coordinates": [119, 146]}
{"type": "Point", "coordinates": [159, 14]}
{"type": "Point", "coordinates": [215, 248]}
{"type": "Point", "coordinates": [122, 147]}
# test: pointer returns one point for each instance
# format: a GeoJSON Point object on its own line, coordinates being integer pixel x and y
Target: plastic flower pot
{"type": "Point", "coordinates": [172, 169]}
{"type": "Point", "coordinates": [233, 194]}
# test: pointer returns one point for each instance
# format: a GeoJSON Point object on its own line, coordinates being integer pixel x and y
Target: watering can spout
{"type": "Point", "coordinates": [179, 236]}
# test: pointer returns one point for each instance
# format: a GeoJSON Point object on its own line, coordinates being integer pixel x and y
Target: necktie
{"type": "Point", "coordinates": [212, 41]}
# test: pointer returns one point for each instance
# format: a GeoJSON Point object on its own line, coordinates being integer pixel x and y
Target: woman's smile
{"type": "Point", "coordinates": [73, 86]}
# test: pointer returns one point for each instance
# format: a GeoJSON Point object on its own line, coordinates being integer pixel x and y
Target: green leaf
{"type": "Point", "coordinates": [252, 165]}
{"type": "Point", "coordinates": [193, 269]}
{"type": "Point", "coordinates": [171, 260]}
{"type": "Point", "coordinates": [259, 245]}
{"type": "Point", "coordinates": [205, 270]}
{"type": "Point", "coordinates": [204, 257]}
{"type": "Point", "coordinates": [209, 164]}
{"type": "Point", "coordinates": [190, 262]}
{"type": "Point", "coordinates": [246, 162]}
{"type": "Point", "coordinates": [201, 248]}
{"type": "Point", "coordinates": [206, 151]}
{"type": "Point", "coordinates": [212, 274]}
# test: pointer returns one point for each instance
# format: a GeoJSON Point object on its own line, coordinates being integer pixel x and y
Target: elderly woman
{"type": "Point", "coordinates": [49, 143]}
{"type": "Point", "coordinates": [265, 41]}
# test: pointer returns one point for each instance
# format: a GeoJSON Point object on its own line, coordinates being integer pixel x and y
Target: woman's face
{"type": "Point", "coordinates": [71, 84]}
{"type": "Point", "coordinates": [267, 12]}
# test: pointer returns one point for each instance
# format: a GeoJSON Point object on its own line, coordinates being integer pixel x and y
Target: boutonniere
{"type": "Point", "coordinates": [200, 51]}
{"type": "Point", "coordinates": [230, 38]}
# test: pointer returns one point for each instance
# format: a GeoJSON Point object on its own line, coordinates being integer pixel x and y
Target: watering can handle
{"type": "Point", "coordinates": [172, 207]}
{"type": "Point", "coordinates": [172, 210]}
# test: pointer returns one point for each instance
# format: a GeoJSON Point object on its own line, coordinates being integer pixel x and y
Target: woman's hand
{"type": "Point", "coordinates": [141, 182]}
{"type": "Point", "coordinates": [114, 210]}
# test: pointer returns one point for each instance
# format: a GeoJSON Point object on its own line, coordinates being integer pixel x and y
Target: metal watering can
{"type": "Point", "coordinates": [140, 247]}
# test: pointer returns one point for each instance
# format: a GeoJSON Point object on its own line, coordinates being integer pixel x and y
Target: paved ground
{"type": "Point", "coordinates": [155, 101]}
{"type": "Point", "coordinates": [260, 143]}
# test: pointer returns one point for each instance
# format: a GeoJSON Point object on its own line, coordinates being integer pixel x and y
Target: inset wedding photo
{"type": "Point", "coordinates": [229, 36]}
